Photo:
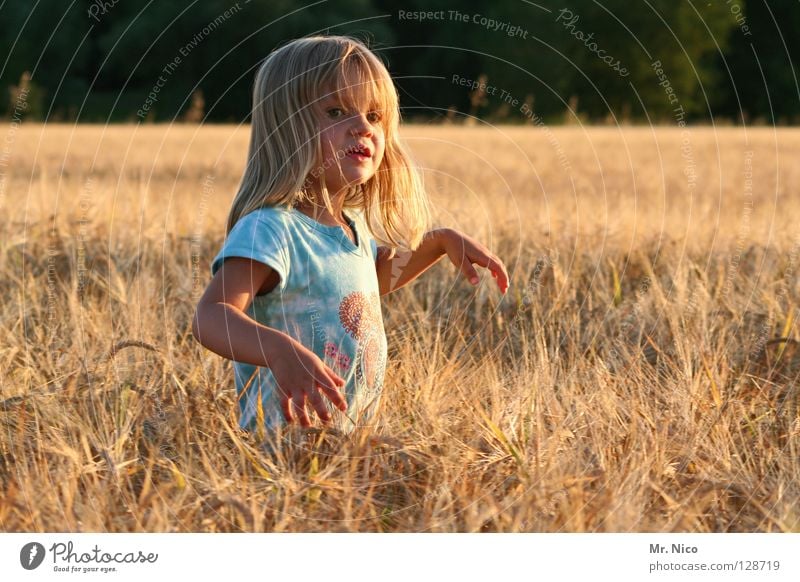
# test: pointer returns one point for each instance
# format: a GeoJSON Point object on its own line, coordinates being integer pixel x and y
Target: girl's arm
{"type": "Point", "coordinates": [220, 322]}
{"type": "Point", "coordinates": [221, 325]}
{"type": "Point", "coordinates": [462, 250]}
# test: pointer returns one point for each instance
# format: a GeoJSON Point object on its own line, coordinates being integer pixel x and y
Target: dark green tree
{"type": "Point", "coordinates": [758, 76]}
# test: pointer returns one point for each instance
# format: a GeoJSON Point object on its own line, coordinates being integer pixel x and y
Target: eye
{"type": "Point", "coordinates": [374, 117]}
{"type": "Point", "coordinates": [335, 112]}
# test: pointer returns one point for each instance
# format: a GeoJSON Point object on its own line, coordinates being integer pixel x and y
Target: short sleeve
{"type": "Point", "coordinates": [260, 236]}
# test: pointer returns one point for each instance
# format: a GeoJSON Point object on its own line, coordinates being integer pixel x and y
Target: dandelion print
{"type": "Point", "coordinates": [360, 316]}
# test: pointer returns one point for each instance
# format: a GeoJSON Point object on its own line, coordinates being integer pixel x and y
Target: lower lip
{"type": "Point", "coordinates": [358, 157]}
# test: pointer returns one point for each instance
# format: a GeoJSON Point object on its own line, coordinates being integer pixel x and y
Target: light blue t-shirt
{"type": "Point", "coordinates": [327, 299]}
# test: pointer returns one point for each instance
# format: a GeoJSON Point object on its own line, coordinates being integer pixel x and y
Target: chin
{"type": "Point", "coordinates": [359, 180]}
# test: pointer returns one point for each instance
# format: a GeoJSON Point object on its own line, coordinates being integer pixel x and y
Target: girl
{"type": "Point", "coordinates": [294, 298]}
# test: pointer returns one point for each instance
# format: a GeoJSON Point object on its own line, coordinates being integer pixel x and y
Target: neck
{"type": "Point", "coordinates": [316, 208]}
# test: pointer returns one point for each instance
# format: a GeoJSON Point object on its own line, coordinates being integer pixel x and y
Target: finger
{"type": "Point", "coordinates": [319, 406]}
{"type": "Point", "coordinates": [497, 269]}
{"type": "Point", "coordinates": [331, 390]}
{"type": "Point", "coordinates": [330, 383]}
{"type": "Point", "coordinates": [299, 409]}
{"type": "Point", "coordinates": [337, 379]}
{"type": "Point", "coordinates": [286, 408]}
{"type": "Point", "coordinates": [469, 272]}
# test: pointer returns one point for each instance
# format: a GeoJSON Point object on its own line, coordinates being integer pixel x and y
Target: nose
{"type": "Point", "coordinates": [361, 125]}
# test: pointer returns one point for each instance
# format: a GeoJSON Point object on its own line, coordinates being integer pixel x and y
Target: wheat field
{"type": "Point", "coordinates": [640, 375]}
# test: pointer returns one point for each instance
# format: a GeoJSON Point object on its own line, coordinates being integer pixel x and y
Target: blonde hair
{"type": "Point", "coordinates": [285, 146]}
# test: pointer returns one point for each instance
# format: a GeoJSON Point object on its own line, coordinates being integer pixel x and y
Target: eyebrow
{"type": "Point", "coordinates": [338, 98]}
{"type": "Point", "coordinates": [348, 107]}
{"type": "Point", "coordinates": [327, 98]}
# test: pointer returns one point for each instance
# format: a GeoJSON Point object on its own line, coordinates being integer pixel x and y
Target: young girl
{"type": "Point", "coordinates": [294, 298]}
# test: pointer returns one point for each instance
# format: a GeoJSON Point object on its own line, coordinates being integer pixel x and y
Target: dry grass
{"type": "Point", "coordinates": [641, 374]}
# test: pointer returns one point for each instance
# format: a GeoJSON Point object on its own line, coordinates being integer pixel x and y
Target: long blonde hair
{"type": "Point", "coordinates": [285, 146]}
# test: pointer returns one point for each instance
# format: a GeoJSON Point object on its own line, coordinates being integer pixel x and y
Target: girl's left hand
{"type": "Point", "coordinates": [463, 251]}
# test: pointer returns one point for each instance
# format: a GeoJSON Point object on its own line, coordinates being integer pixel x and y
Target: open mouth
{"type": "Point", "coordinates": [358, 152]}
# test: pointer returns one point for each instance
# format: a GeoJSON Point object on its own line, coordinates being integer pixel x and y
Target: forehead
{"type": "Point", "coordinates": [355, 84]}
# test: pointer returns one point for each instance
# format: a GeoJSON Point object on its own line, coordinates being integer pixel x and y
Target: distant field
{"type": "Point", "coordinates": [640, 375]}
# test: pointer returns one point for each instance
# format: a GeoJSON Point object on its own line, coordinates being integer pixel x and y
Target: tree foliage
{"type": "Point", "coordinates": [589, 59]}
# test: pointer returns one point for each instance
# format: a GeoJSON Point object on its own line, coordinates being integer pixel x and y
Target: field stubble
{"type": "Point", "coordinates": [640, 375]}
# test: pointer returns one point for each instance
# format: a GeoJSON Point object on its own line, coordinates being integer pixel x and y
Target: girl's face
{"type": "Point", "coordinates": [352, 143]}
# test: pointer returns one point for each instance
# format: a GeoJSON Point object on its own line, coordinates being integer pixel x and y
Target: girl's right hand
{"type": "Point", "coordinates": [301, 376]}
{"type": "Point", "coordinates": [221, 324]}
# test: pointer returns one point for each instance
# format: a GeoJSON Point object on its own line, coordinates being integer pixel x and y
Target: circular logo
{"type": "Point", "coordinates": [31, 555]}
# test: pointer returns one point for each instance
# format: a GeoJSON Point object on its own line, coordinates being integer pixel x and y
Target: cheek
{"type": "Point", "coordinates": [329, 131]}
{"type": "Point", "coordinates": [328, 145]}
{"type": "Point", "coordinates": [326, 139]}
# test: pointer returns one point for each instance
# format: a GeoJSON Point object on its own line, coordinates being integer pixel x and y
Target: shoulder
{"type": "Point", "coordinates": [261, 235]}
{"type": "Point", "coordinates": [272, 222]}
{"type": "Point", "coordinates": [271, 216]}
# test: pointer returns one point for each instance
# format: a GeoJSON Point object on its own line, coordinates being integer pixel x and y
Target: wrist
{"type": "Point", "coordinates": [272, 341]}
{"type": "Point", "coordinates": [440, 237]}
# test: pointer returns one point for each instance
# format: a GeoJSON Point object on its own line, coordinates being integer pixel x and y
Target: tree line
{"type": "Point", "coordinates": [508, 61]}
